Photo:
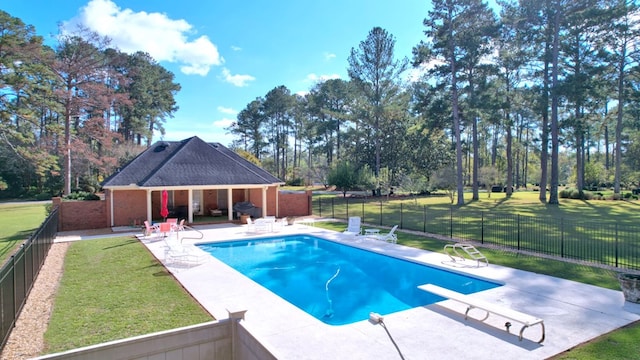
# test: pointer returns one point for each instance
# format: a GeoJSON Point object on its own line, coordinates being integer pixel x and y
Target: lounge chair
{"type": "Point", "coordinates": [176, 253]}
{"type": "Point", "coordinates": [353, 227]}
{"type": "Point", "coordinates": [251, 226]}
{"type": "Point", "coordinates": [388, 237]}
{"type": "Point", "coordinates": [264, 225]}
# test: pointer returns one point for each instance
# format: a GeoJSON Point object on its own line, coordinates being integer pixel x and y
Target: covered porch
{"type": "Point", "coordinates": [194, 203]}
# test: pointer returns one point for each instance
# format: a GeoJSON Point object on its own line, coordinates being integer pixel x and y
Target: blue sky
{"type": "Point", "coordinates": [225, 53]}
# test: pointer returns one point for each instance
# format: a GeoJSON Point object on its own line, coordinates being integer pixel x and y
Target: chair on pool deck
{"type": "Point", "coordinates": [389, 237]}
{"type": "Point", "coordinates": [353, 227]}
{"type": "Point", "coordinates": [179, 254]}
{"type": "Point", "coordinates": [149, 229]}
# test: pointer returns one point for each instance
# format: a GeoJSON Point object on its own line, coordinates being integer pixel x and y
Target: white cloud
{"type": "Point", "coordinates": [223, 122]}
{"type": "Point", "coordinates": [329, 56]}
{"type": "Point", "coordinates": [236, 48]}
{"type": "Point", "coordinates": [237, 80]}
{"type": "Point", "coordinates": [321, 78]}
{"type": "Point", "coordinates": [226, 110]}
{"type": "Point", "coordinates": [165, 39]}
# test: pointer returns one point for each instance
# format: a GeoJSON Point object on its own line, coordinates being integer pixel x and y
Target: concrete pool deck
{"type": "Point", "coordinates": [573, 313]}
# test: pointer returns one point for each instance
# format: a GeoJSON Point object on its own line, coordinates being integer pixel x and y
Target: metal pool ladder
{"type": "Point", "coordinates": [470, 252]}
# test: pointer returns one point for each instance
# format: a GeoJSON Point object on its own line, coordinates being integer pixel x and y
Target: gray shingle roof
{"type": "Point", "coordinates": [189, 162]}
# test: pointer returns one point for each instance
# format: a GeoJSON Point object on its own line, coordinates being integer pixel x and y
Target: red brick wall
{"type": "Point", "coordinates": [131, 206]}
{"type": "Point", "coordinates": [294, 204]}
{"type": "Point", "coordinates": [81, 215]}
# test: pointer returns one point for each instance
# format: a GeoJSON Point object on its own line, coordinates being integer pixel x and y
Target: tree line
{"type": "Point", "coordinates": [544, 92]}
{"type": "Point", "coordinates": [71, 113]}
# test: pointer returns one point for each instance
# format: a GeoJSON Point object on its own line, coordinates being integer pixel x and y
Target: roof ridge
{"type": "Point", "coordinates": [241, 164]}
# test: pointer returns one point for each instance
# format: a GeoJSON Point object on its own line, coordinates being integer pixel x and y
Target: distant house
{"type": "Point", "coordinates": [201, 179]}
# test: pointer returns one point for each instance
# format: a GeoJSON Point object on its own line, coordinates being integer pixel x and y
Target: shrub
{"type": "Point", "coordinates": [81, 195]}
{"type": "Point", "coordinates": [295, 182]}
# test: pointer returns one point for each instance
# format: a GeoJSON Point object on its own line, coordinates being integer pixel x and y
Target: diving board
{"type": "Point", "coordinates": [472, 302]}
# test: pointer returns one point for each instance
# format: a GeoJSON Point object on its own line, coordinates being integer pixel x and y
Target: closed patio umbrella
{"type": "Point", "coordinates": [164, 211]}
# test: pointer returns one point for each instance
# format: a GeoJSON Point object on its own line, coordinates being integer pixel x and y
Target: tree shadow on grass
{"type": "Point", "coordinates": [9, 244]}
{"type": "Point", "coordinates": [124, 243]}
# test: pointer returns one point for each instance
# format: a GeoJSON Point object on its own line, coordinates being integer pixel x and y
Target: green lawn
{"type": "Point", "coordinates": [600, 231]}
{"type": "Point", "coordinates": [17, 222]}
{"type": "Point", "coordinates": [113, 289]}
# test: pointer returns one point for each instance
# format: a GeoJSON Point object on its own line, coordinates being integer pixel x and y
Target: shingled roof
{"type": "Point", "coordinates": [189, 162]}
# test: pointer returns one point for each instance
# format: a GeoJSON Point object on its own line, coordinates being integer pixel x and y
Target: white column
{"type": "Point", "coordinates": [190, 217]}
{"type": "Point", "coordinates": [149, 213]}
{"type": "Point", "coordinates": [264, 201]}
{"type": "Point", "coordinates": [230, 204]}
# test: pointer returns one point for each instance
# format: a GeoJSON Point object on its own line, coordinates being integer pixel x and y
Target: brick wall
{"type": "Point", "coordinates": [81, 215]}
{"type": "Point", "coordinates": [130, 207]}
{"type": "Point", "coordinates": [294, 203]}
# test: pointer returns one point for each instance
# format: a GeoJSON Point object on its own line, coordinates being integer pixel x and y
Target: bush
{"type": "Point", "coordinates": [572, 193]}
{"type": "Point", "coordinates": [81, 195]}
{"type": "Point", "coordinates": [295, 182]}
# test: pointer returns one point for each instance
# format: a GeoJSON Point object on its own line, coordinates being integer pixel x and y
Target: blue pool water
{"type": "Point", "coordinates": [336, 283]}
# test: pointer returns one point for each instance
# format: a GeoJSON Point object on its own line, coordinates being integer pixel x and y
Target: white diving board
{"type": "Point", "coordinates": [471, 302]}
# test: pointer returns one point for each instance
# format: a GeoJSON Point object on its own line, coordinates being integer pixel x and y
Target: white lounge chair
{"type": "Point", "coordinates": [353, 227]}
{"type": "Point", "coordinates": [389, 237]}
{"type": "Point", "coordinates": [176, 253]}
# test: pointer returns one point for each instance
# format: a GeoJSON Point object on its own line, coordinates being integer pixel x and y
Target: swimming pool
{"type": "Point", "coordinates": [336, 283]}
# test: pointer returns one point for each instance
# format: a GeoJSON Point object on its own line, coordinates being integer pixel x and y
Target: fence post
{"type": "Point", "coordinates": [561, 237]}
{"type": "Point", "coordinates": [424, 218]}
{"type": "Point", "coordinates": [482, 227]}
{"type": "Point", "coordinates": [451, 222]}
{"type": "Point", "coordinates": [363, 218]}
{"type": "Point", "coordinates": [347, 202]}
{"type": "Point", "coordinates": [401, 227]}
{"type": "Point", "coordinates": [617, 245]}
{"type": "Point", "coordinates": [333, 208]}
{"type": "Point", "coordinates": [518, 229]}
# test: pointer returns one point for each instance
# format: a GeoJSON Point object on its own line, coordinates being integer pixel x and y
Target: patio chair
{"type": "Point", "coordinates": [166, 228]}
{"type": "Point", "coordinates": [353, 227]}
{"type": "Point", "coordinates": [177, 253]}
{"type": "Point", "coordinates": [149, 229]}
{"type": "Point", "coordinates": [278, 224]}
{"type": "Point", "coordinates": [251, 226]}
{"type": "Point", "coordinates": [263, 225]}
{"type": "Point", "coordinates": [180, 226]}
{"type": "Point", "coordinates": [389, 237]}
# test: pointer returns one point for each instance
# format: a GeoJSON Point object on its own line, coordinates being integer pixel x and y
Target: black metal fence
{"type": "Point", "coordinates": [19, 273]}
{"type": "Point", "coordinates": [606, 243]}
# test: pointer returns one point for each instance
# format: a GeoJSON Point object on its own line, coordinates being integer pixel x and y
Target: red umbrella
{"type": "Point", "coordinates": [164, 211]}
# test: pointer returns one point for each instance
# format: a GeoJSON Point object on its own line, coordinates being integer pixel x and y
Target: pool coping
{"type": "Point", "coordinates": [573, 313]}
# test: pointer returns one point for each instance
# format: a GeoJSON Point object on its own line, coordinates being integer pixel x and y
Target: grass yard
{"type": "Point", "coordinates": [602, 231]}
{"type": "Point", "coordinates": [17, 222]}
{"type": "Point", "coordinates": [113, 289]}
